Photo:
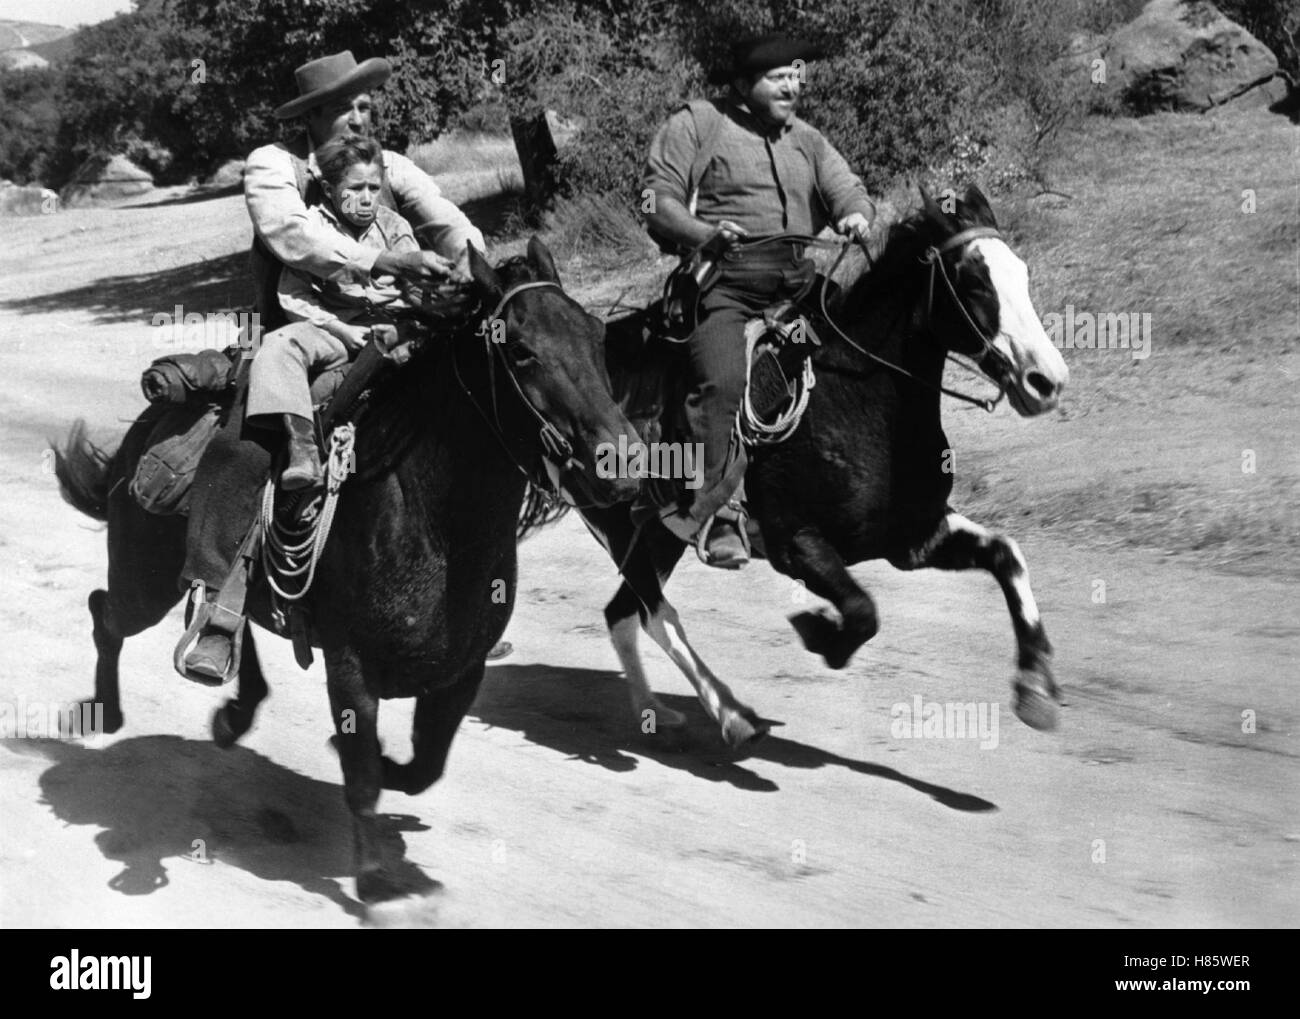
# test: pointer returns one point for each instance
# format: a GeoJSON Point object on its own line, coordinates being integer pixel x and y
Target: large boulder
{"type": "Point", "coordinates": [1183, 55]}
{"type": "Point", "coordinates": [31, 200]}
{"type": "Point", "coordinates": [105, 180]}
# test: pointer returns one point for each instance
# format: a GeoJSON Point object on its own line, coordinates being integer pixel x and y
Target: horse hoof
{"type": "Point", "coordinates": [225, 729]}
{"type": "Point", "coordinates": [411, 912]}
{"type": "Point", "coordinates": [83, 721]}
{"type": "Point", "coordinates": [1034, 703]}
{"type": "Point", "coordinates": [815, 630]}
{"type": "Point", "coordinates": [387, 884]}
{"type": "Point", "coordinates": [741, 732]}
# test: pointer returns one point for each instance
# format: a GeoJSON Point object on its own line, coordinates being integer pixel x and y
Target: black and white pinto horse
{"type": "Point", "coordinates": [867, 475]}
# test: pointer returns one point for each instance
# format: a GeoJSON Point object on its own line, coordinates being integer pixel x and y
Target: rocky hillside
{"type": "Point", "coordinates": [32, 44]}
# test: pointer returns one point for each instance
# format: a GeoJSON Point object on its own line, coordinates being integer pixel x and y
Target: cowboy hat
{"type": "Point", "coordinates": [339, 74]}
{"type": "Point", "coordinates": [757, 55]}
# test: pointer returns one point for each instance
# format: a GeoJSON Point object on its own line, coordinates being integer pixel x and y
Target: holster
{"type": "Point", "coordinates": [684, 288]}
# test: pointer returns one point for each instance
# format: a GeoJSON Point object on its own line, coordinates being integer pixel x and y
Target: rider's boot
{"type": "Point", "coordinates": [304, 470]}
{"type": "Point", "coordinates": [720, 541]}
{"type": "Point", "coordinates": [212, 658]}
{"type": "Point", "coordinates": [724, 547]}
{"type": "Point", "coordinates": [209, 659]}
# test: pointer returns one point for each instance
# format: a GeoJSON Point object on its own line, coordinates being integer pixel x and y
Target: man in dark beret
{"type": "Point", "coordinates": [738, 168]}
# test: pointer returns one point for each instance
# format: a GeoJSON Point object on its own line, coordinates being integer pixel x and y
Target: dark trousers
{"type": "Point", "coordinates": [716, 356]}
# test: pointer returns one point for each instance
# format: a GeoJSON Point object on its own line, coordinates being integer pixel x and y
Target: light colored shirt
{"type": "Point", "coordinates": [765, 179]}
{"type": "Point", "coordinates": [305, 298]}
{"type": "Point", "coordinates": [280, 216]}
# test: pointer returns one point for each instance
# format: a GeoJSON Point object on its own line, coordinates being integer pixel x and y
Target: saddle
{"type": "Point", "coordinates": [780, 345]}
{"type": "Point", "coordinates": [192, 394]}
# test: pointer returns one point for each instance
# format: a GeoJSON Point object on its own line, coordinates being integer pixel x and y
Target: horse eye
{"type": "Point", "coordinates": [521, 354]}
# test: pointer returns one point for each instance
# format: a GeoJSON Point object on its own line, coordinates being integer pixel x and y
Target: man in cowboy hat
{"type": "Point", "coordinates": [334, 102]}
{"type": "Point", "coordinates": [280, 181]}
{"type": "Point", "coordinates": [765, 172]}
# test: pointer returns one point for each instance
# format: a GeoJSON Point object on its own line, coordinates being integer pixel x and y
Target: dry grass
{"type": "Point", "coordinates": [1149, 453]}
{"type": "Point", "coordinates": [469, 166]}
{"type": "Point", "coordinates": [597, 230]}
{"type": "Point", "coordinates": [464, 152]}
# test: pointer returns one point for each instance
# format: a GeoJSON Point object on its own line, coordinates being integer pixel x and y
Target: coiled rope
{"type": "Point", "coordinates": [292, 549]}
{"type": "Point", "coordinates": [769, 433]}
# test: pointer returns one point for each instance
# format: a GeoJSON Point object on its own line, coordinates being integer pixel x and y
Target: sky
{"type": "Point", "coordinates": [69, 13]}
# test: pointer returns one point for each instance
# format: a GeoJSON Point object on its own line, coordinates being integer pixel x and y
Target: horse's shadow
{"type": "Point", "coordinates": [184, 802]}
{"type": "Point", "coordinates": [167, 801]}
{"type": "Point", "coordinates": [585, 714]}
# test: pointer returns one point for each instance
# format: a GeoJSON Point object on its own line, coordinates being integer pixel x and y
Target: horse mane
{"type": "Point", "coordinates": [399, 407]}
{"type": "Point", "coordinates": [905, 243]}
{"type": "Point", "coordinates": [895, 267]}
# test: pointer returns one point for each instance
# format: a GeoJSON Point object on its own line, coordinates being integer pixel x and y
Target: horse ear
{"type": "Point", "coordinates": [483, 274]}
{"type": "Point", "coordinates": [978, 207]}
{"type": "Point", "coordinates": [540, 256]}
{"type": "Point", "coordinates": [931, 207]}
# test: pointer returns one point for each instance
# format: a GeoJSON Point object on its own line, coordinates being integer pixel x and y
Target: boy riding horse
{"type": "Point", "coordinates": [765, 172]}
{"type": "Point", "coordinates": [280, 180]}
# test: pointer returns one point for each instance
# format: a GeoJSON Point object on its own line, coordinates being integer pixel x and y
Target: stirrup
{"type": "Point", "coordinates": [209, 618]}
{"type": "Point", "coordinates": [737, 517]}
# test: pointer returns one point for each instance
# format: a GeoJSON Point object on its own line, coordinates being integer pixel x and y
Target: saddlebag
{"type": "Point", "coordinates": [166, 470]}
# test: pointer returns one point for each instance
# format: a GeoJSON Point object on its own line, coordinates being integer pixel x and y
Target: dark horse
{"type": "Point", "coordinates": [868, 473]}
{"type": "Point", "coordinates": [417, 581]}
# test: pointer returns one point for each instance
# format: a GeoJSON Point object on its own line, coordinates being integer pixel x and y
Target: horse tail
{"type": "Point", "coordinates": [83, 472]}
{"type": "Point", "coordinates": [540, 509]}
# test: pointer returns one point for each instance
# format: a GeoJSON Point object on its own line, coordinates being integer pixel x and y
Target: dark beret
{"type": "Point", "coordinates": [757, 55]}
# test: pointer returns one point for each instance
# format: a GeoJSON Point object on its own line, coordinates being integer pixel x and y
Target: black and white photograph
{"type": "Point", "coordinates": [607, 464]}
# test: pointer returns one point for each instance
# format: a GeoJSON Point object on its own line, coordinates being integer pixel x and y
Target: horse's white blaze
{"type": "Point", "coordinates": [1022, 337]}
{"type": "Point", "coordinates": [1019, 579]}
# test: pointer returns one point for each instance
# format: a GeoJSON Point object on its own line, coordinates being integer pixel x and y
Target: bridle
{"type": "Point", "coordinates": [933, 256]}
{"type": "Point", "coordinates": [557, 451]}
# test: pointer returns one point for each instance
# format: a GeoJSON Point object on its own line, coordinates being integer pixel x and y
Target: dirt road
{"type": "Point", "coordinates": [1169, 795]}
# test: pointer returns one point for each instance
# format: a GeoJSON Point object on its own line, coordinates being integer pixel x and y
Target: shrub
{"type": "Point", "coordinates": [29, 124]}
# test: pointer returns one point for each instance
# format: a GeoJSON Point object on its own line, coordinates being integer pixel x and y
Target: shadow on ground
{"type": "Point", "coordinates": [163, 801]}
{"type": "Point", "coordinates": [585, 714]}
{"type": "Point", "coordinates": [214, 285]}
{"type": "Point", "coordinates": [205, 194]}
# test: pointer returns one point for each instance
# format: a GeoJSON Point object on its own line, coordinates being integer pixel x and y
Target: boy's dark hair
{"type": "Point", "coordinates": [336, 156]}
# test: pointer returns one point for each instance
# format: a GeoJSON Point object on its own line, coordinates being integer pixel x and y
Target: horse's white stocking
{"type": "Point", "coordinates": [738, 722]}
{"type": "Point", "coordinates": [624, 633]}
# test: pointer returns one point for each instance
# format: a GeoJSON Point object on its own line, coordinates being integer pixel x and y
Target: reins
{"type": "Point", "coordinates": [934, 256]}
{"type": "Point", "coordinates": [556, 449]}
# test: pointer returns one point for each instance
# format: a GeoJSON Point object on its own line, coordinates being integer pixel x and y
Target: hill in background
{"type": "Point", "coordinates": [32, 44]}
